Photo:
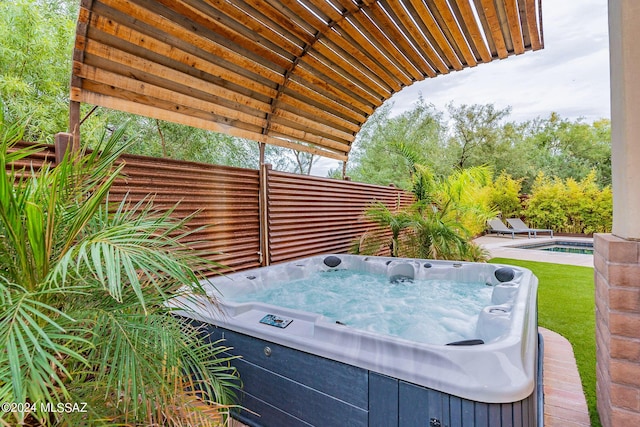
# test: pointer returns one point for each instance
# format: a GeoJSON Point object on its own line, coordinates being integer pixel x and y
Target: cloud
{"type": "Point", "coordinates": [569, 76]}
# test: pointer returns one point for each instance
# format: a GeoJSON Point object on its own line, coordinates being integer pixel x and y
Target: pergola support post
{"type": "Point", "coordinates": [617, 255]}
{"type": "Point", "coordinates": [74, 124]}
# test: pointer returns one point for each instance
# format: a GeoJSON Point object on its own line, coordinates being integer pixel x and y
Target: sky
{"type": "Point", "coordinates": [569, 76]}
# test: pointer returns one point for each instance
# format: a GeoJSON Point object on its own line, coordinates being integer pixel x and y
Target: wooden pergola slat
{"type": "Point", "coordinates": [162, 113]}
{"type": "Point", "coordinates": [302, 74]}
{"type": "Point", "coordinates": [225, 76]}
{"type": "Point", "coordinates": [458, 38]}
{"type": "Point", "coordinates": [350, 66]}
{"type": "Point", "coordinates": [532, 12]}
{"type": "Point", "coordinates": [418, 38]}
{"type": "Point", "coordinates": [513, 18]}
{"type": "Point", "coordinates": [472, 31]}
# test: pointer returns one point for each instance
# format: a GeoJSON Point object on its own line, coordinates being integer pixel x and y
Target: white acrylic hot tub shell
{"type": "Point", "coordinates": [500, 371]}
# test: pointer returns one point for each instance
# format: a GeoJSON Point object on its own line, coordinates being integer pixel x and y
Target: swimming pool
{"type": "Point", "coordinates": [311, 366]}
{"type": "Point", "coordinates": [573, 247]}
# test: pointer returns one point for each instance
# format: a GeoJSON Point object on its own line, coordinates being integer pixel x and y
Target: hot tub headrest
{"type": "Point", "coordinates": [466, 342]}
{"type": "Point", "coordinates": [332, 261]}
{"type": "Point", "coordinates": [505, 274]}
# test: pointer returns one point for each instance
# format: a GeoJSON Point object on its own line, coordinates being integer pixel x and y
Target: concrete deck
{"type": "Point", "coordinates": [506, 247]}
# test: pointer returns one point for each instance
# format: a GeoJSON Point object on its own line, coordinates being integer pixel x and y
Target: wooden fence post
{"type": "Point", "coordinates": [263, 204]}
{"type": "Point", "coordinates": [62, 143]}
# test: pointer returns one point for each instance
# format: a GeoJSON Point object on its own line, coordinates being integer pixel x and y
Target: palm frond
{"type": "Point", "coordinates": [142, 359]}
{"type": "Point", "coordinates": [133, 247]}
{"type": "Point", "coordinates": [37, 339]}
{"type": "Point", "coordinates": [10, 135]}
{"type": "Point", "coordinates": [410, 154]}
{"type": "Point", "coordinates": [83, 292]}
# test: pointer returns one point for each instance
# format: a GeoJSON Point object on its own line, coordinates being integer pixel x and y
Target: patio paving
{"type": "Point", "coordinates": [564, 401]}
{"type": "Point", "coordinates": [506, 247]}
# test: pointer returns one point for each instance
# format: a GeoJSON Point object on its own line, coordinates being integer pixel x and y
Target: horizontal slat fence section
{"type": "Point", "coordinates": [225, 199]}
{"type": "Point", "coordinates": [310, 215]}
{"type": "Point", "coordinates": [306, 215]}
{"type": "Point", "coordinates": [35, 161]}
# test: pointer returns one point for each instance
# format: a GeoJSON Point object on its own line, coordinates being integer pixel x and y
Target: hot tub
{"type": "Point", "coordinates": [313, 367]}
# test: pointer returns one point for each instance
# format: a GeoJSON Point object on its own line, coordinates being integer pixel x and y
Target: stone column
{"type": "Point", "coordinates": [617, 255]}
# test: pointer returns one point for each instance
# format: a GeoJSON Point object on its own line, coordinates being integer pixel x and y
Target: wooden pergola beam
{"type": "Point", "coordinates": [303, 74]}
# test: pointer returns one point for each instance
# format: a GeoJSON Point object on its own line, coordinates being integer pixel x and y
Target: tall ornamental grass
{"type": "Point", "coordinates": [570, 206]}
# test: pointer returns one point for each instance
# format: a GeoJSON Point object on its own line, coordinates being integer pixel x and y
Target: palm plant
{"type": "Point", "coordinates": [439, 236]}
{"type": "Point", "coordinates": [395, 221]}
{"type": "Point", "coordinates": [448, 211]}
{"type": "Point", "coordinates": [84, 285]}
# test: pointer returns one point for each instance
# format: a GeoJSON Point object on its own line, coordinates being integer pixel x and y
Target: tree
{"type": "Point", "coordinates": [304, 162]}
{"type": "Point", "coordinates": [564, 148]}
{"type": "Point", "coordinates": [289, 160]}
{"type": "Point", "coordinates": [156, 138]}
{"type": "Point", "coordinates": [476, 133]}
{"type": "Point", "coordinates": [375, 158]}
{"type": "Point", "coordinates": [35, 64]}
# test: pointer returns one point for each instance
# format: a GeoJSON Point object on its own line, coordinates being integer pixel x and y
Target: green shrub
{"type": "Point", "coordinates": [595, 207]}
{"type": "Point", "coordinates": [505, 195]}
{"type": "Point", "coordinates": [570, 206]}
{"type": "Point", "coordinates": [465, 197]}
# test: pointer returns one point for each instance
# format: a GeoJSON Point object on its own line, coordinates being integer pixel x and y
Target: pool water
{"type": "Point", "coordinates": [585, 248]}
{"type": "Point", "coordinates": [427, 311]}
{"type": "Point", "coordinates": [569, 249]}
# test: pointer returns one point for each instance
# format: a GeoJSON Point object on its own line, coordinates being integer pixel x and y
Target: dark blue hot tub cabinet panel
{"type": "Point", "coordinates": [344, 382]}
{"type": "Point", "coordinates": [420, 406]}
{"type": "Point", "coordinates": [383, 400]}
{"type": "Point", "coordinates": [291, 388]}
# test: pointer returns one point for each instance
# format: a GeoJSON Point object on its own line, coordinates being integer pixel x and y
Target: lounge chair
{"type": "Point", "coordinates": [518, 224]}
{"type": "Point", "coordinates": [498, 227]}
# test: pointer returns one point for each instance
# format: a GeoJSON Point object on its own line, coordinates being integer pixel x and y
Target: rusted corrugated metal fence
{"type": "Point", "coordinates": [309, 215]}
{"type": "Point", "coordinates": [225, 199]}
{"type": "Point", "coordinates": [302, 215]}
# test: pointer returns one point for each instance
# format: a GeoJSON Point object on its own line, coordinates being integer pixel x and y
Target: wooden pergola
{"type": "Point", "coordinates": [303, 74]}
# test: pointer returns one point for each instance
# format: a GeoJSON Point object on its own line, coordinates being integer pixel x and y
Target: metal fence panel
{"type": "Point", "coordinates": [305, 215]}
{"type": "Point", "coordinates": [310, 215]}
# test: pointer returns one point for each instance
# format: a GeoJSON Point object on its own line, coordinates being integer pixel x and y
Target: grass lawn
{"type": "Point", "coordinates": [566, 305]}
